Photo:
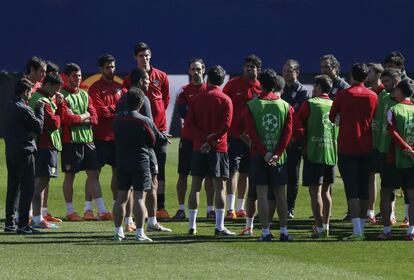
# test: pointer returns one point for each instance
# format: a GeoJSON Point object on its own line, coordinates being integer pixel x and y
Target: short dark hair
{"type": "Point", "coordinates": [52, 79]}
{"type": "Point", "coordinates": [21, 86]}
{"type": "Point", "coordinates": [216, 75]}
{"type": "Point", "coordinates": [71, 67]}
{"type": "Point", "coordinates": [325, 82]}
{"type": "Point", "coordinates": [136, 75]}
{"type": "Point", "coordinates": [140, 47]}
{"type": "Point", "coordinates": [294, 63]}
{"type": "Point", "coordinates": [406, 86]}
{"type": "Point", "coordinates": [396, 58]}
{"type": "Point", "coordinates": [135, 97]}
{"type": "Point", "coordinates": [51, 67]}
{"type": "Point", "coordinates": [359, 72]}
{"type": "Point", "coordinates": [193, 60]}
{"type": "Point", "coordinates": [378, 68]}
{"type": "Point", "coordinates": [253, 59]}
{"type": "Point", "coordinates": [280, 83]}
{"type": "Point", "coordinates": [104, 59]}
{"type": "Point", "coordinates": [35, 62]}
{"type": "Point", "coordinates": [335, 63]}
{"type": "Point", "coordinates": [267, 79]}
{"type": "Point", "coordinates": [392, 73]}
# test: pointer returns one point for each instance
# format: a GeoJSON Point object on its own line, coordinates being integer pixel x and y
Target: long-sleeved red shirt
{"type": "Point", "coordinates": [69, 119]}
{"type": "Point", "coordinates": [257, 147]}
{"type": "Point", "coordinates": [240, 90]}
{"type": "Point", "coordinates": [210, 113]}
{"type": "Point", "coordinates": [184, 100]}
{"type": "Point", "coordinates": [356, 107]}
{"type": "Point", "coordinates": [105, 94]}
{"type": "Point", "coordinates": [159, 95]}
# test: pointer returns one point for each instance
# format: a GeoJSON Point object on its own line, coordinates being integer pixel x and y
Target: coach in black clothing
{"type": "Point", "coordinates": [294, 93]}
{"type": "Point", "coordinates": [22, 126]}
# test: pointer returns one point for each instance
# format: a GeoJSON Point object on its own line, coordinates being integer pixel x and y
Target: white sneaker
{"type": "Point", "coordinates": [118, 237]}
{"type": "Point", "coordinates": [143, 238]}
{"type": "Point", "coordinates": [158, 227]}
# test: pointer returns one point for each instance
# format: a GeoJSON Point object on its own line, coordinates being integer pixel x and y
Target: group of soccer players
{"type": "Point", "coordinates": [248, 137]}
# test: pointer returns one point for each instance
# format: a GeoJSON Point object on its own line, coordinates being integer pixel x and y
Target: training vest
{"type": "Point", "coordinates": [321, 133]}
{"type": "Point", "coordinates": [78, 103]}
{"type": "Point", "coordinates": [381, 139]}
{"type": "Point", "coordinates": [404, 122]}
{"type": "Point", "coordinates": [54, 135]}
{"type": "Point", "coordinates": [269, 117]}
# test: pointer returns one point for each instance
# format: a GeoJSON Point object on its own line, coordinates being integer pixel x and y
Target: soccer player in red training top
{"type": "Point", "coordinates": [241, 90]}
{"type": "Point", "coordinates": [320, 151]}
{"type": "Point", "coordinates": [355, 108]}
{"type": "Point", "coordinates": [104, 94]}
{"type": "Point", "coordinates": [159, 96]}
{"type": "Point", "coordinates": [401, 128]}
{"type": "Point", "coordinates": [209, 120]}
{"type": "Point", "coordinates": [79, 152]}
{"type": "Point", "coordinates": [188, 93]}
{"type": "Point", "coordinates": [269, 125]}
{"type": "Point", "coordinates": [48, 142]}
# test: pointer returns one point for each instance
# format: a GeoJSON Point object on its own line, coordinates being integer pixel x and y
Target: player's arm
{"type": "Point", "coordinates": [102, 110]}
{"type": "Point", "coordinates": [93, 117]}
{"type": "Point", "coordinates": [51, 120]}
{"type": "Point", "coordinates": [192, 125]}
{"type": "Point", "coordinates": [225, 123]}
{"type": "Point", "coordinates": [299, 121]}
{"type": "Point", "coordinates": [165, 89]}
{"type": "Point", "coordinates": [335, 109]}
{"type": "Point", "coordinates": [33, 119]}
{"type": "Point", "coordinates": [250, 129]}
{"type": "Point", "coordinates": [286, 134]}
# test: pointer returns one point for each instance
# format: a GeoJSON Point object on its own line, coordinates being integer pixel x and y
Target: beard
{"type": "Point", "coordinates": [197, 78]}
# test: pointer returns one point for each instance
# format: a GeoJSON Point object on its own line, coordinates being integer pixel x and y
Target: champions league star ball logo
{"type": "Point", "coordinates": [270, 122]}
{"type": "Point", "coordinates": [409, 130]}
{"type": "Point", "coordinates": [327, 124]}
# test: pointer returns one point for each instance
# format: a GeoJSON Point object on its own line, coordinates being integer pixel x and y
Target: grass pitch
{"type": "Point", "coordinates": [85, 250]}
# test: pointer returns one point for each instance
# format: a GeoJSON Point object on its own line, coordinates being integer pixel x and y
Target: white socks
{"type": "Point", "coordinates": [69, 208]}
{"type": "Point", "coordinates": [370, 213]}
{"type": "Point", "coordinates": [152, 221]}
{"type": "Point", "coordinates": [387, 230]}
{"type": "Point", "coordinates": [249, 222]}
{"type": "Point", "coordinates": [140, 232]}
{"type": "Point", "coordinates": [192, 217]}
{"type": "Point", "coordinates": [284, 230]}
{"type": "Point", "coordinates": [182, 207]}
{"type": "Point", "coordinates": [119, 231]}
{"type": "Point", "coordinates": [220, 219]}
{"type": "Point", "coordinates": [100, 205]}
{"type": "Point", "coordinates": [37, 219]}
{"type": "Point", "coordinates": [44, 211]}
{"type": "Point", "coordinates": [240, 204]}
{"type": "Point", "coordinates": [265, 231]}
{"type": "Point", "coordinates": [210, 208]}
{"type": "Point", "coordinates": [406, 206]}
{"type": "Point", "coordinates": [129, 221]}
{"type": "Point", "coordinates": [356, 224]}
{"type": "Point", "coordinates": [410, 230]}
{"type": "Point", "coordinates": [231, 200]}
{"type": "Point", "coordinates": [325, 227]}
{"type": "Point", "coordinates": [88, 206]}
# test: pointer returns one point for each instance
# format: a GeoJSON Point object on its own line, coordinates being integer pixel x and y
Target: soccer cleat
{"type": "Point", "coordinates": [409, 237]}
{"type": "Point", "coordinates": [49, 218]}
{"type": "Point", "coordinates": [354, 237]}
{"type": "Point", "coordinates": [241, 213]}
{"type": "Point", "coordinates": [192, 231]}
{"type": "Point", "coordinates": [231, 215]}
{"type": "Point", "coordinates": [347, 217]}
{"type": "Point", "coordinates": [372, 220]}
{"type": "Point", "coordinates": [44, 225]}
{"type": "Point", "coordinates": [224, 232]}
{"type": "Point", "coordinates": [285, 237]}
{"type": "Point", "coordinates": [107, 216]}
{"type": "Point", "coordinates": [163, 214]}
{"type": "Point", "coordinates": [89, 216]}
{"type": "Point", "coordinates": [118, 237]}
{"type": "Point", "coordinates": [158, 227]}
{"type": "Point", "coordinates": [211, 215]}
{"type": "Point", "coordinates": [73, 217]}
{"type": "Point", "coordinates": [384, 236]}
{"type": "Point", "coordinates": [405, 223]}
{"type": "Point", "coordinates": [265, 238]}
{"type": "Point", "coordinates": [27, 230]}
{"type": "Point", "coordinates": [319, 235]}
{"type": "Point", "coordinates": [247, 231]}
{"type": "Point", "coordinates": [290, 214]}
{"type": "Point", "coordinates": [10, 228]}
{"type": "Point", "coordinates": [143, 238]}
{"type": "Point", "coordinates": [180, 215]}
{"type": "Point", "coordinates": [130, 227]}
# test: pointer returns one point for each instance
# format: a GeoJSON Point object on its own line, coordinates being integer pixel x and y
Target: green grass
{"type": "Point", "coordinates": [85, 250]}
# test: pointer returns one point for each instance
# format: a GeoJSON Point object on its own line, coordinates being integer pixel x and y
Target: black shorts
{"type": "Point", "coordinates": [252, 194]}
{"type": "Point", "coordinates": [79, 156]}
{"type": "Point", "coordinates": [355, 175]}
{"type": "Point", "coordinates": [377, 161]}
{"type": "Point", "coordinates": [138, 181]}
{"type": "Point", "coordinates": [153, 162]}
{"type": "Point", "coordinates": [184, 156]}
{"type": "Point", "coordinates": [239, 156]}
{"type": "Point", "coordinates": [317, 173]}
{"type": "Point", "coordinates": [106, 152]}
{"type": "Point", "coordinates": [46, 163]}
{"type": "Point", "coordinates": [390, 177]}
{"type": "Point", "coordinates": [213, 164]}
{"type": "Point", "coordinates": [263, 174]}
{"type": "Point", "coordinates": [161, 154]}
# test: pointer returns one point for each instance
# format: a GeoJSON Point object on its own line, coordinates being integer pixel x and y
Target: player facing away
{"type": "Point", "coordinates": [48, 142]}
{"type": "Point", "coordinates": [209, 120]}
{"type": "Point", "coordinates": [320, 151]}
{"type": "Point", "coordinates": [355, 108]}
{"type": "Point", "coordinates": [241, 90]}
{"type": "Point", "coordinates": [196, 70]}
{"type": "Point", "coordinates": [134, 135]}
{"type": "Point", "coordinates": [269, 125]}
{"type": "Point", "coordinates": [78, 149]}
{"type": "Point", "coordinates": [401, 128]}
